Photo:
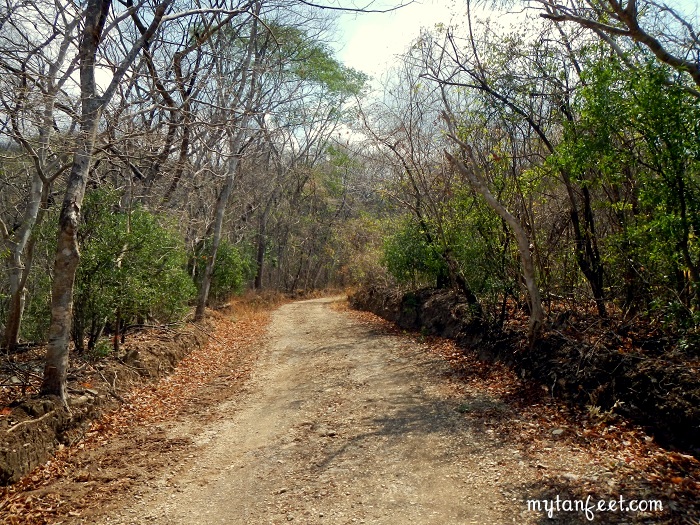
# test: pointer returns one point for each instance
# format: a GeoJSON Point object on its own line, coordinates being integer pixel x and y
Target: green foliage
{"type": "Point", "coordinates": [410, 257]}
{"type": "Point", "coordinates": [101, 350]}
{"type": "Point", "coordinates": [132, 268]}
{"type": "Point", "coordinates": [310, 60]}
{"type": "Point", "coordinates": [638, 140]}
{"type": "Point", "coordinates": [37, 308]}
{"type": "Point", "coordinates": [417, 252]}
{"type": "Point", "coordinates": [479, 243]}
{"type": "Point", "coordinates": [233, 269]}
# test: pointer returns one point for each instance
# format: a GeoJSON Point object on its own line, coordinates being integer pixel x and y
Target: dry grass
{"type": "Point", "coordinates": [251, 304]}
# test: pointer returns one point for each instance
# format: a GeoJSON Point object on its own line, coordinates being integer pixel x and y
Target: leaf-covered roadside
{"type": "Point", "coordinates": [622, 460]}
{"type": "Point", "coordinates": [75, 479]}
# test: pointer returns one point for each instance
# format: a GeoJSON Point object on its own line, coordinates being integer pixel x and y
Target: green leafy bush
{"type": "Point", "coordinates": [234, 268]}
{"type": "Point", "coordinates": [37, 309]}
{"type": "Point", "coordinates": [637, 147]}
{"type": "Point", "coordinates": [410, 257]}
{"type": "Point", "coordinates": [132, 268]}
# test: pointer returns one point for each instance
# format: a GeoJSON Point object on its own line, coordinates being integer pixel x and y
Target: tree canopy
{"type": "Point", "coordinates": [157, 157]}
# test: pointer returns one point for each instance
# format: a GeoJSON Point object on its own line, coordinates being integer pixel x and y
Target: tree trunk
{"type": "Point", "coordinates": [67, 257]}
{"type": "Point", "coordinates": [67, 253]}
{"type": "Point", "coordinates": [261, 242]}
{"type": "Point", "coordinates": [15, 306]}
{"type": "Point", "coordinates": [21, 243]}
{"type": "Point", "coordinates": [245, 100]}
{"type": "Point", "coordinates": [521, 237]}
{"type": "Point", "coordinates": [221, 203]}
{"type": "Point", "coordinates": [460, 283]}
{"type": "Point", "coordinates": [19, 269]}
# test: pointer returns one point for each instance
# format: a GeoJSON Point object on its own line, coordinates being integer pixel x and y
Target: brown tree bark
{"type": "Point", "coordinates": [67, 253]}
{"type": "Point", "coordinates": [470, 169]}
{"type": "Point", "coordinates": [611, 18]}
{"type": "Point", "coordinates": [243, 100]}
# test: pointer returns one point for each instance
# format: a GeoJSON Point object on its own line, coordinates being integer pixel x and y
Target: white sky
{"type": "Point", "coordinates": [369, 42]}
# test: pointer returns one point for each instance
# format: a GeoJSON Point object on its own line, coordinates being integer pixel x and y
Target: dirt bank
{"type": "Point", "coordinates": [31, 429]}
{"type": "Point", "coordinates": [649, 380]}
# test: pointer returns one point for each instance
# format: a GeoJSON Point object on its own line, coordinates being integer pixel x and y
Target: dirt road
{"type": "Point", "coordinates": [333, 417]}
{"type": "Point", "coordinates": [339, 424]}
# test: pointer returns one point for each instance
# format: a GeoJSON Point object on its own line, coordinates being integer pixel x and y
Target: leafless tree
{"type": "Point", "coordinates": [36, 60]}
{"type": "Point", "coordinates": [663, 29]}
{"type": "Point", "coordinates": [98, 20]}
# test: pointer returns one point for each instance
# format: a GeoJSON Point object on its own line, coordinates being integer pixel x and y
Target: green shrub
{"type": "Point", "coordinates": [234, 268]}
{"type": "Point", "coordinates": [132, 268]}
{"type": "Point", "coordinates": [37, 309]}
{"type": "Point", "coordinates": [410, 257]}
